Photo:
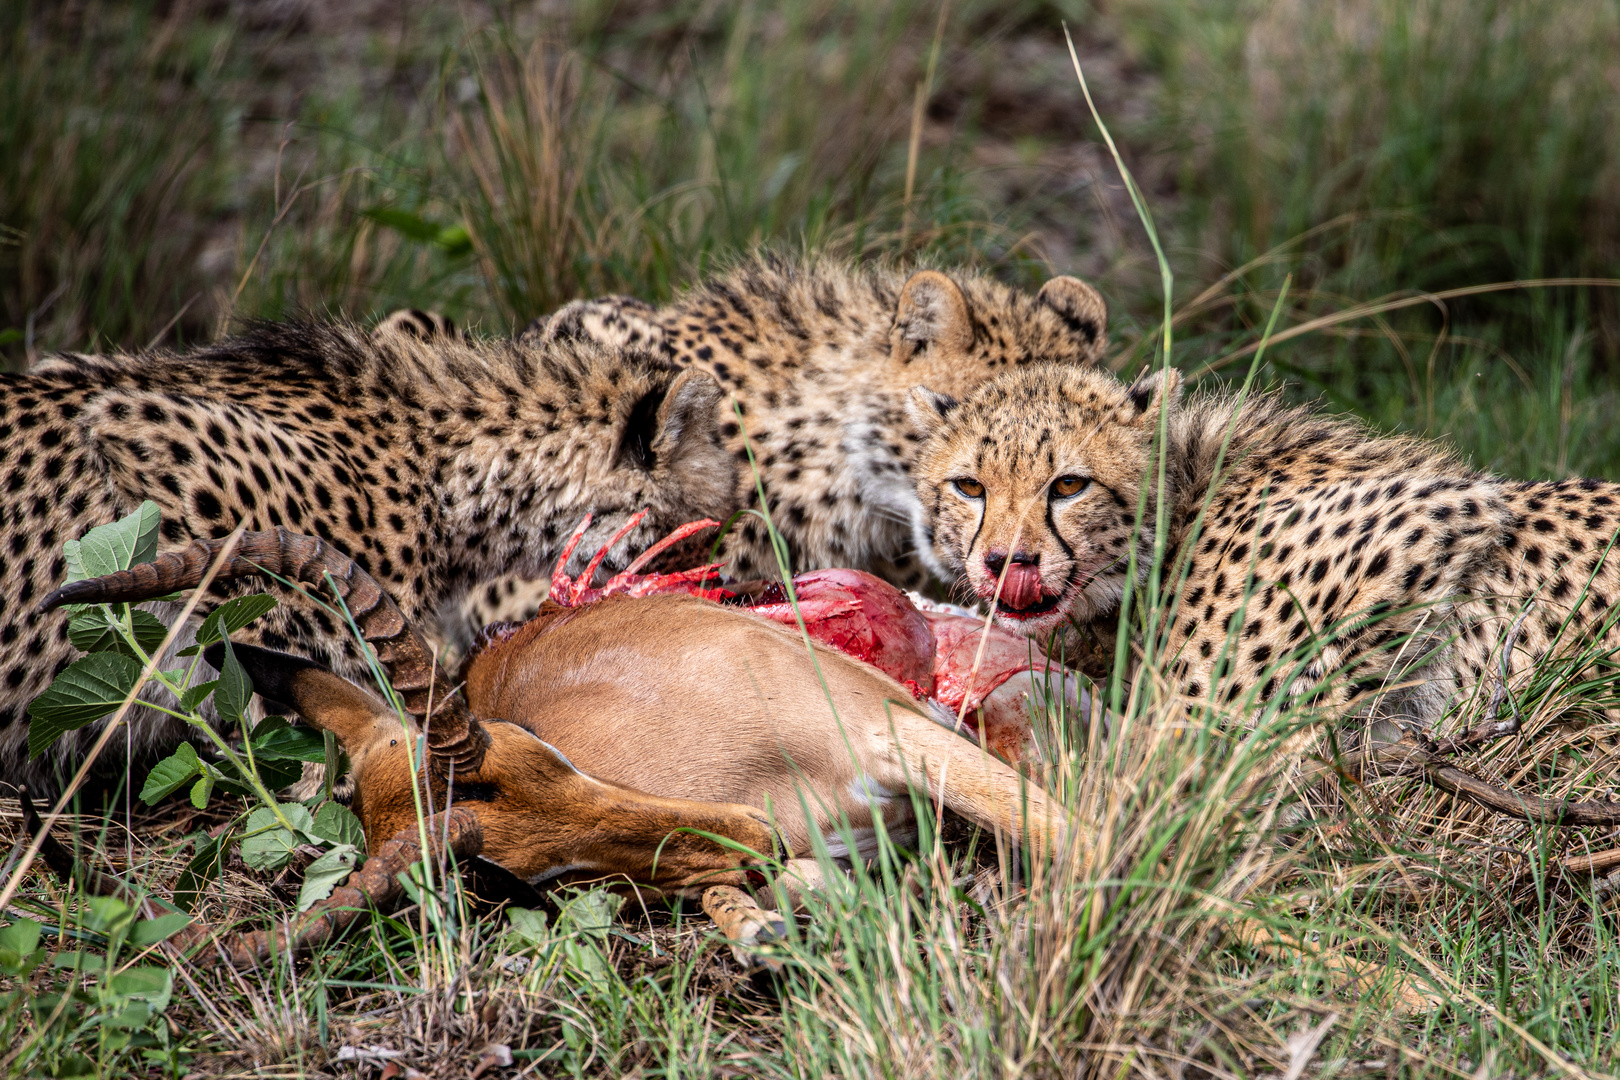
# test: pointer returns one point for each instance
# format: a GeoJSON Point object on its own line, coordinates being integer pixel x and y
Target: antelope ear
{"type": "Point", "coordinates": [330, 702]}
{"type": "Point", "coordinates": [687, 417]}
{"type": "Point", "coordinates": [929, 410]}
{"type": "Point", "coordinates": [1082, 310]}
{"type": "Point", "coordinates": [932, 312]}
{"type": "Point", "coordinates": [1144, 397]}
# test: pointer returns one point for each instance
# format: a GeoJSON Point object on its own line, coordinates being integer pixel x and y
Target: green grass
{"type": "Point", "coordinates": [159, 178]}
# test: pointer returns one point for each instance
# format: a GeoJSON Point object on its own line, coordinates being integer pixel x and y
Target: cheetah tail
{"type": "Point", "coordinates": [455, 737]}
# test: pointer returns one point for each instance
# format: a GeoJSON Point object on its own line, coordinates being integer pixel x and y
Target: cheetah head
{"type": "Point", "coordinates": [1031, 488]}
{"type": "Point", "coordinates": [949, 334]}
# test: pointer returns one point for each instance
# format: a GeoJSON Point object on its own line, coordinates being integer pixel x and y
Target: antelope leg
{"type": "Point", "coordinates": [744, 923]}
{"type": "Point", "coordinates": [982, 788]}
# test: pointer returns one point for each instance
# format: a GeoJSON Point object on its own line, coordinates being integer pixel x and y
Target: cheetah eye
{"type": "Point", "coordinates": [969, 487]}
{"type": "Point", "coordinates": [1066, 487]}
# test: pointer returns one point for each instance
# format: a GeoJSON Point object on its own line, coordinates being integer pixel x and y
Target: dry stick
{"type": "Point", "coordinates": [68, 792]}
{"type": "Point", "coordinates": [918, 105]}
{"type": "Point", "coordinates": [1409, 757]}
{"type": "Point", "coordinates": [157, 337]}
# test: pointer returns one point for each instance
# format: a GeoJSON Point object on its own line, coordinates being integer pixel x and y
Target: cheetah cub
{"type": "Point", "coordinates": [1380, 567]}
{"type": "Point", "coordinates": [819, 357]}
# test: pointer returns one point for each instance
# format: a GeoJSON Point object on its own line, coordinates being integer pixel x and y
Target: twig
{"type": "Point", "coordinates": [1412, 757]}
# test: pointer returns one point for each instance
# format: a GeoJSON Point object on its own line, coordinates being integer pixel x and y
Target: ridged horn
{"type": "Point", "coordinates": [454, 735]}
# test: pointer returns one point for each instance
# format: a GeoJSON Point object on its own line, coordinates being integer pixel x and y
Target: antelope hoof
{"type": "Point", "coordinates": [745, 924]}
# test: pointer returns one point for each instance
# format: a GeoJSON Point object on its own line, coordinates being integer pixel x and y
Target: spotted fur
{"type": "Point", "coordinates": [1308, 547]}
{"type": "Point", "coordinates": [435, 463]}
{"type": "Point", "coordinates": [819, 358]}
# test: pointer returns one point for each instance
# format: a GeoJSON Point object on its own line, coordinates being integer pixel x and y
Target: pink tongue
{"type": "Point", "coordinates": [1022, 587]}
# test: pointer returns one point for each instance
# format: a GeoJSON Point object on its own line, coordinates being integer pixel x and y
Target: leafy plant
{"type": "Point", "coordinates": [123, 640]}
{"type": "Point", "coordinates": [104, 998]}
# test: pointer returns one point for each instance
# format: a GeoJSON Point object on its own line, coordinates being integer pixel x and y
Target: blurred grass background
{"type": "Point", "coordinates": [169, 166]}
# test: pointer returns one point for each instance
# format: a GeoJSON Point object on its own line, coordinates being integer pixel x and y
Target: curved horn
{"type": "Point", "coordinates": [1409, 757]}
{"type": "Point", "coordinates": [454, 735]}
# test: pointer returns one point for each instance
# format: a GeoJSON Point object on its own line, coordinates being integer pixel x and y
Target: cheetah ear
{"type": "Point", "coordinates": [1145, 395]}
{"type": "Point", "coordinates": [929, 410]}
{"type": "Point", "coordinates": [567, 323]}
{"type": "Point", "coordinates": [416, 323]}
{"type": "Point", "coordinates": [686, 418]}
{"type": "Point", "coordinates": [1082, 310]}
{"type": "Point", "coordinates": [932, 312]}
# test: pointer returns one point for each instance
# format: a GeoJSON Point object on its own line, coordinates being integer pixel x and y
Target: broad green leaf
{"type": "Point", "coordinates": [19, 947]}
{"type": "Point", "coordinates": [324, 875]}
{"type": "Point", "coordinates": [203, 788]}
{"type": "Point", "coordinates": [151, 985]}
{"type": "Point", "coordinates": [201, 871]}
{"type": "Point", "coordinates": [235, 689]}
{"type": "Point", "coordinates": [337, 823]}
{"type": "Point", "coordinates": [77, 960]}
{"type": "Point", "coordinates": [93, 631]}
{"type": "Point", "coordinates": [74, 557]}
{"type": "Point", "coordinates": [167, 775]}
{"type": "Point", "coordinates": [283, 742]}
{"type": "Point", "coordinates": [403, 222]}
{"type": "Point", "coordinates": [85, 691]}
{"type": "Point", "coordinates": [109, 915]}
{"type": "Point", "coordinates": [196, 694]}
{"type": "Point", "coordinates": [132, 1017]}
{"type": "Point", "coordinates": [233, 615]}
{"type": "Point", "coordinates": [589, 913]}
{"type": "Point", "coordinates": [162, 928]}
{"type": "Point", "coordinates": [529, 926]}
{"type": "Point", "coordinates": [106, 549]}
{"type": "Point", "coordinates": [266, 843]}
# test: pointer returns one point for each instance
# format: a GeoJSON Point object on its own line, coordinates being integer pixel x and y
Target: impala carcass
{"type": "Point", "coordinates": [601, 739]}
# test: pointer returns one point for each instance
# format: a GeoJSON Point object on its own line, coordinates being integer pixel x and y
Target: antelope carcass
{"type": "Point", "coordinates": [627, 726]}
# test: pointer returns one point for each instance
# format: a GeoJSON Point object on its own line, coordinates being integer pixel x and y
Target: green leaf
{"type": "Point", "coordinates": [201, 871]}
{"type": "Point", "coordinates": [235, 689]}
{"type": "Point", "coordinates": [233, 615]}
{"type": "Point", "coordinates": [528, 926]}
{"type": "Point", "coordinates": [151, 985]}
{"type": "Point", "coordinates": [85, 691]}
{"type": "Point", "coordinates": [285, 742]}
{"type": "Point", "coordinates": [107, 549]}
{"type": "Point", "coordinates": [93, 631]}
{"type": "Point", "coordinates": [77, 960]}
{"type": "Point", "coordinates": [455, 240]}
{"type": "Point", "coordinates": [74, 557]}
{"type": "Point", "coordinates": [267, 844]}
{"type": "Point", "coordinates": [193, 697]}
{"type": "Point", "coordinates": [324, 874]}
{"type": "Point", "coordinates": [203, 788]}
{"type": "Point", "coordinates": [162, 928]}
{"type": "Point", "coordinates": [19, 947]}
{"type": "Point", "coordinates": [109, 915]}
{"type": "Point", "coordinates": [337, 823]}
{"type": "Point", "coordinates": [404, 222]}
{"type": "Point", "coordinates": [167, 775]}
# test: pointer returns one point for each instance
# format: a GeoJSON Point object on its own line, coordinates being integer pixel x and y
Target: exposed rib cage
{"type": "Point", "coordinates": [454, 735]}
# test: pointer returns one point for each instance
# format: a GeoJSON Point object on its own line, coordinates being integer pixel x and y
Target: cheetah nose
{"type": "Point", "coordinates": [1022, 585]}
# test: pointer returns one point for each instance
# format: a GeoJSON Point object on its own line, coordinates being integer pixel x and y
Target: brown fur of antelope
{"type": "Point", "coordinates": [627, 724]}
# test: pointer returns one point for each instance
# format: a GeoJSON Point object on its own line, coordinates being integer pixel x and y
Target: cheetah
{"type": "Point", "coordinates": [1306, 556]}
{"type": "Point", "coordinates": [434, 462]}
{"type": "Point", "coordinates": [819, 357]}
